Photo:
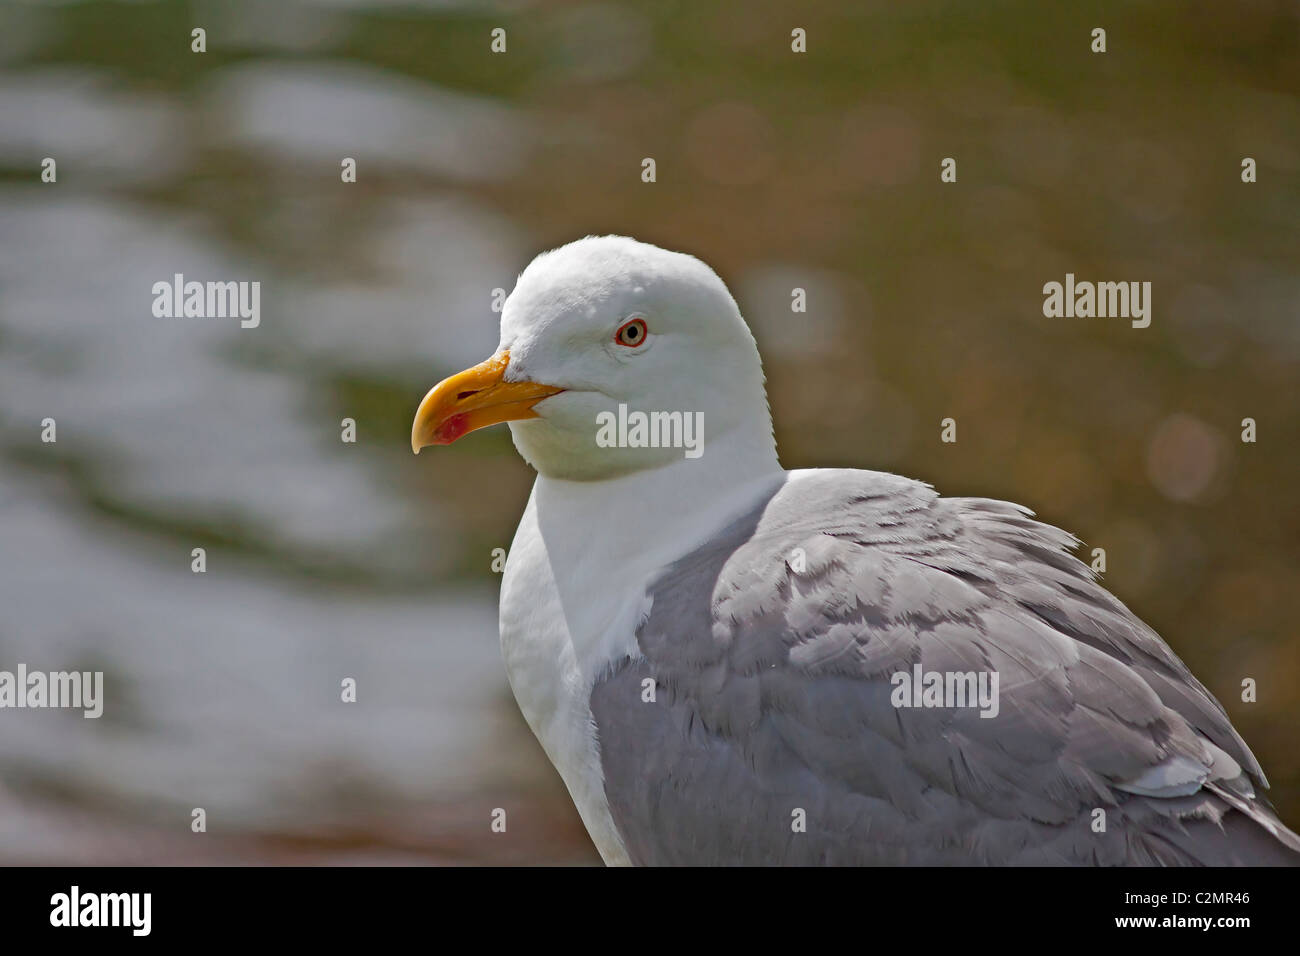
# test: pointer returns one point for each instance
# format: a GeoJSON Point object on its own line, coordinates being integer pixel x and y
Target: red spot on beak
{"type": "Point", "coordinates": [450, 430]}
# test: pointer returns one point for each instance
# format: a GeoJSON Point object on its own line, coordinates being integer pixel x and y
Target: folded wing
{"type": "Point", "coordinates": [771, 736]}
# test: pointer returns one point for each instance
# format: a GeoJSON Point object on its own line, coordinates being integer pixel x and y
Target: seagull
{"type": "Point", "coordinates": [729, 663]}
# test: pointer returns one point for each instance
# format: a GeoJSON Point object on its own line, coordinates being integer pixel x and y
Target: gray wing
{"type": "Point", "coordinates": [772, 667]}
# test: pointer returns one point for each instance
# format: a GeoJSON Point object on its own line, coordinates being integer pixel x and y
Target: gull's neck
{"type": "Point", "coordinates": [633, 513]}
{"type": "Point", "coordinates": [604, 539]}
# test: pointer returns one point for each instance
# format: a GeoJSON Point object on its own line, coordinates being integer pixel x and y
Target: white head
{"type": "Point", "coordinates": [598, 323]}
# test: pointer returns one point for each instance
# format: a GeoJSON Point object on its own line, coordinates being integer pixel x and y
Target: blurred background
{"type": "Point", "coordinates": [329, 560]}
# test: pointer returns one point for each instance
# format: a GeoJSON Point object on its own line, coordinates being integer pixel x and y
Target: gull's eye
{"type": "Point", "coordinates": [631, 333]}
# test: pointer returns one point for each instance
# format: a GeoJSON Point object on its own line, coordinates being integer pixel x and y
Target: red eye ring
{"type": "Point", "coordinates": [631, 333]}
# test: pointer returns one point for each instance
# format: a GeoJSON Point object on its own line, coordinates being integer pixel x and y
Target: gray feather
{"type": "Point", "coordinates": [773, 696]}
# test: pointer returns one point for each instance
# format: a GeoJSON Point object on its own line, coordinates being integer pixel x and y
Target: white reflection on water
{"type": "Point", "coordinates": [222, 689]}
{"type": "Point", "coordinates": [184, 429]}
{"type": "Point", "coordinates": [317, 113]}
{"type": "Point", "coordinates": [438, 258]}
{"type": "Point", "coordinates": [100, 135]}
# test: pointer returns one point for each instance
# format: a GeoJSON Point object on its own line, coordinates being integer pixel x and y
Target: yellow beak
{"type": "Point", "coordinates": [473, 399]}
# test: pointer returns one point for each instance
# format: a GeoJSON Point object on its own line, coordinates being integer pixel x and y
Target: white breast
{"type": "Point", "coordinates": [551, 683]}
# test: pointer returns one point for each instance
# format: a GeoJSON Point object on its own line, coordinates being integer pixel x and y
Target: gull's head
{"type": "Point", "coordinates": [597, 324]}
